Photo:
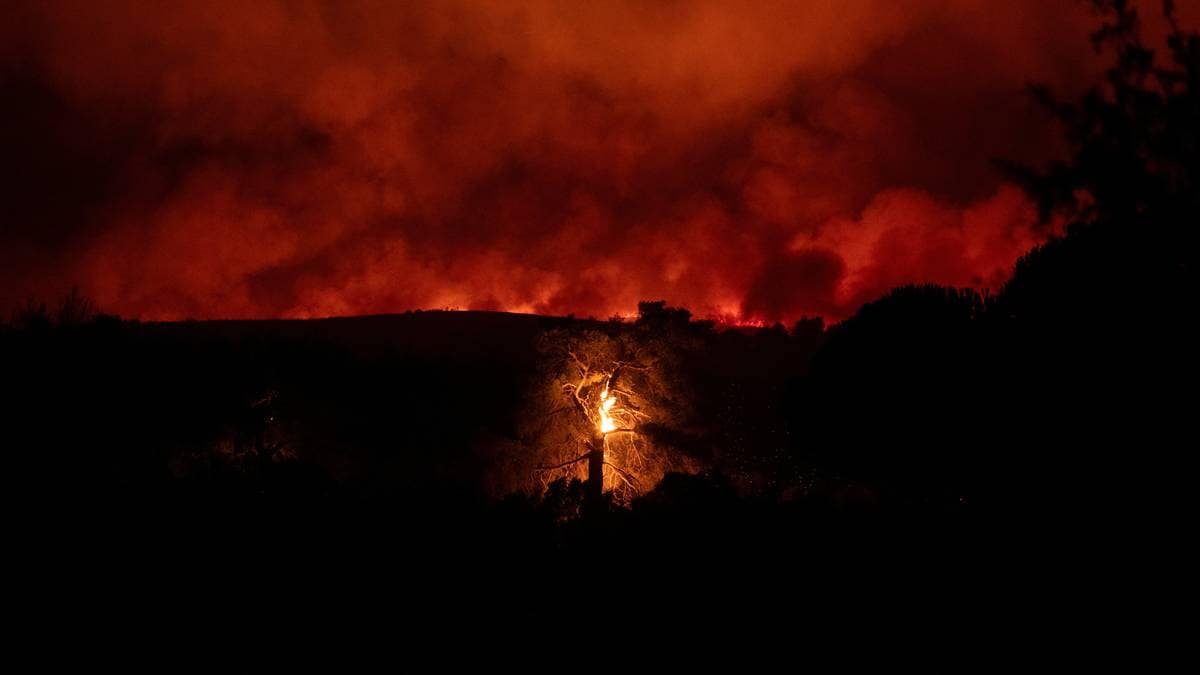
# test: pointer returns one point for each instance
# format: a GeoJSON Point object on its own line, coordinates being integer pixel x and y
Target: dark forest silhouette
{"type": "Point", "coordinates": [1060, 394]}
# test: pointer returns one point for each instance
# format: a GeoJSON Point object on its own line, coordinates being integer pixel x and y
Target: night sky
{"type": "Point", "coordinates": [754, 161]}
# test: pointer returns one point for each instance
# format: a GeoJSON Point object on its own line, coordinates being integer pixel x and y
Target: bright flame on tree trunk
{"type": "Point", "coordinates": [607, 401]}
{"type": "Point", "coordinates": [617, 456]}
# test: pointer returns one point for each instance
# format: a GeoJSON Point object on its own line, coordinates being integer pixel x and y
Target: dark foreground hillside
{"type": "Point", "coordinates": [397, 420]}
{"type": "Point", "coordinates": [937, 440]}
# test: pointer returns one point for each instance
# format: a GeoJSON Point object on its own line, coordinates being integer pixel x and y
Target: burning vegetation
{"type": "Point", "coordinates": [607, 409]}
{"type": "Point", "coordinates": [617, 452]}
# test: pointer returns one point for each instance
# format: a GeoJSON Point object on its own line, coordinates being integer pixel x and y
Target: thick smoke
{"type": "Point", "coordinates": [751, 160]}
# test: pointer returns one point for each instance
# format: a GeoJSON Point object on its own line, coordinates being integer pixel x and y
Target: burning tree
{"type": "Point", "coordinates": [608, 409]}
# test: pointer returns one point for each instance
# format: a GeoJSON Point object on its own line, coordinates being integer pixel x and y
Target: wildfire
{"type": "Point", "coordinates": [607, 401]}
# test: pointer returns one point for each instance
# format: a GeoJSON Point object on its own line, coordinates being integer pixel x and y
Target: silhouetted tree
{"type": "Point", "coordinates": [1095, 325]}
{"type": "Point", "coordinates": [1053, 391]}
{"type": "Point", "coordinates": [1133, 139]}
{"type": "Point", "coordinates": [1128, 191]}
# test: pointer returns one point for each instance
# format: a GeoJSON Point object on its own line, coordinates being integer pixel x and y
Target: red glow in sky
{"type": "Point", "coordinates": [294, 159]}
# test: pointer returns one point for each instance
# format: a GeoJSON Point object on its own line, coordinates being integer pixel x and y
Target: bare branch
{"type": "Point", "coordinates": [579, 402]}
{"type": "Point", "coordinates": [624, 475]}
{"type": "Point", "coordinates": [584, 368]}
{"type": "Point", "coordinates": [559, 466]}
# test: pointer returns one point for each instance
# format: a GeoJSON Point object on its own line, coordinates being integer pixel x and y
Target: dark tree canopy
{"type": "Point", "coordinates": [1052, 391]}
{"type": "Point", "coordinates": [1133, 138]}
{"type": "Point", "coordinates": [1128, 192]}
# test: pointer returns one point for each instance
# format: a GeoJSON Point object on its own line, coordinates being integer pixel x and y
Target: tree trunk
{"type": "Point", "coordinates": [595, 483]}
